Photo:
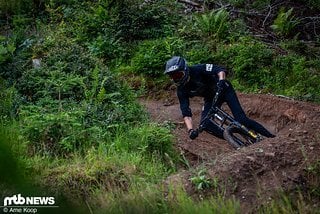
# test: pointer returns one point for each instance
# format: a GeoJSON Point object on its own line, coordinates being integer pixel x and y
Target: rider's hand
{"type": "Point", "coordinates": [222, 85]}
{"type": "Point", "coordinates": [193, 134]}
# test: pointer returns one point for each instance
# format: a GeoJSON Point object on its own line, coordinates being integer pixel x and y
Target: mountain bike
{"type": "Point", "coordinates": [235, 133]}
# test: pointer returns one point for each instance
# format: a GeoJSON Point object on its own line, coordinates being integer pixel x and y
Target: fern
{"type": "Point", "coordinates": [285, 23]}
{"type": "Point", "coordinates": [214, 23]}
{"type": "Point", "coordinates": [90, 92]}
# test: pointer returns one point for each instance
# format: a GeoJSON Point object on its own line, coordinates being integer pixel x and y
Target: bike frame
{"type": "Point", "coordinates": [222, 119]}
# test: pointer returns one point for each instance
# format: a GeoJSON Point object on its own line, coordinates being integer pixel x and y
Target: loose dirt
{"type": "Point", "coordinates": [254, 174]}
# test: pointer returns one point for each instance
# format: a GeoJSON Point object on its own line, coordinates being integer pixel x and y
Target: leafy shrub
{"type": "Point", "coordinates": [198, 53]}
{"type": "Point", "coordinates": [14, 7]}
{"type": "Point", "coordinates": [214, 24]}
{"type": "Point", "coordinates": [147, 139]}
{"type": "Point", "coordinates": [8, 100]}
{"type": "Point", "coordinates": [40, 83]}
{"type": "Point", "coordinates": [7, 49]}
{"type": "Point", "coordinates": [151, 55]}
{"type": "Point", "coordinates": [140, 20]}
{"type": "Point", "coordinates": [107, 47]}
{"type": "Point", "coordinates": [14, 57]}
{"type": "Point", "coordinates": [73, 100]}
{"type": "Point", "coordinates": [256, 67]}
{"type": "Point", "coordinates": [242, 30]}
{"type": "Point", "coordinates": [294, 76]}
{"type": "Point", "coordinates": [64, 71]}
{"type": "Point", "coordinates": [285, 23]}
{"type": "Point", "coordinates": [56, 127]}
{"type": "Point", "coordinates": [108, 27]}
{"type": "Point", "coordinates": [250, 61]}
{"type": "Point", "coordinates": [201, 181]}
{"type": "Point", "coordinates": [51, 130]}
{"type": "Point", "coordinates": [57, 3]}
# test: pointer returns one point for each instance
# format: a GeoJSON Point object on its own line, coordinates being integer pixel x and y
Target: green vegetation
{"type": "Point", "coordinates": [285, 23]}
{"type": "Point", "coordinates": [74, 120]}
{"type": "Point", "coordinates": [201, 181]}
{"type": "Point", "coordinates": [213, 24]}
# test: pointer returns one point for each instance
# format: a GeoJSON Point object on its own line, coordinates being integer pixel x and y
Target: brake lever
{"type": "Point", "coordinates": [200, 128]}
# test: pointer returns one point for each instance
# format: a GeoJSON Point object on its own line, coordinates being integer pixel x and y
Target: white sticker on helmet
{"type": "Point", "coordinates": [209, 67]}
{"type": "Point", "coordinates": [172, 68]}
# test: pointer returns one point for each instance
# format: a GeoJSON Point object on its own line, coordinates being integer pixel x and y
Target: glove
{"type": "Point", "coordinates": [193, 134]}
{"type": "Point", "coordinates": [222, 85]}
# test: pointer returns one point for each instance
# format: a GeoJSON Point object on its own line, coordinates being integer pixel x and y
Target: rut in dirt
{"type": "Point", "coordinates": [256, 172]}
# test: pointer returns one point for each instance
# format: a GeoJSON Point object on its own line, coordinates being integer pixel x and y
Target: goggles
{"type": "Point", "coordinates": [177, 76]}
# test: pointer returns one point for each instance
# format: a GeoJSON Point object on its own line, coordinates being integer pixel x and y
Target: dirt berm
{"type": "Point", "coordinates": [256, 173]}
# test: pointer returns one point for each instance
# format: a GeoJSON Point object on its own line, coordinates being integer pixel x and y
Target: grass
{"type": "Point", "coordinates": [176, 200]}
{"type": "Point", "coordinates": [112, 177]}
{"type": "Point", "coordinates": [125, 174]}
{"type": "Point", "coordinates": [289, 203]}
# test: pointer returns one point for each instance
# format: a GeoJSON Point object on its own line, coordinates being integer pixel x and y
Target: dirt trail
{"type": "Point", "coordinates": [251, 174]}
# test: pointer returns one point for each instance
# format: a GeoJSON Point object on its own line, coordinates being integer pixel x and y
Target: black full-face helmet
{"type": "Point", "coordinates": [177, 69]}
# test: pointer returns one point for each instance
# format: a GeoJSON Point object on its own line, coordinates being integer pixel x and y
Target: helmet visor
{"type": "Point", "coordinates": [177, 76]}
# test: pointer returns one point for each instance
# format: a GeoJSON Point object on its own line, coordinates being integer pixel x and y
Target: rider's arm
{"type": "Point", "coordinates": [185, 108]}
{"type": "Point", "coordinates": [188, 122]}
{"type": "Point", "coordinates": [184, 102]}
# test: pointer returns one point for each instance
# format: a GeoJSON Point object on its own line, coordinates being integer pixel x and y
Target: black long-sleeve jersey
{"type": "Point", "coordinates": [202, 82]}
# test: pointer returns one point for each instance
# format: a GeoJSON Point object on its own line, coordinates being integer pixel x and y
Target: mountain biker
{"type": "Point", "coordinates": [207, 81]}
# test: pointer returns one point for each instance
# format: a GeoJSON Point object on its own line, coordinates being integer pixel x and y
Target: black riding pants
{"type": "Point", "coordinates": [230, 97]}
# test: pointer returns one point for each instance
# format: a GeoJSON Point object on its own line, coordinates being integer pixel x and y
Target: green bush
{"type": "Point", "coordinates": [108, 27]}
{"type": "Point", "coordinates": [14, 7]}
{"type": "Point", "coordinates": [242, 30]}
{"type": "Point", "coordinates": [198, 53]}
{"type": "Point", "coordinates": [151, 55]}
{"type": "Point", "coordinates": [214, 24]}
{"type": "Point", "coordinates": [147, 139]}
{"type": "Point", "coordinates": [57, 3]}
{"type": "Point", "coordinates": [40, 83]}
{"type": "Point", "coordinates": [73, 101]}
{"type": "Point", "coordinates": [140, 20]}
{"type": "Point", "coordinates": [285, 23]}
{"type": "Point", "coordinates": [53, 131]}
{"type": "Point", "coordinates": [107, 47]}
{"type": "Point", "coordinates": [64, 71]}
{"type": "Point", "coordinates": [7, 49]}
{"type": "Point", "coordinates": [250, 62]}
{"type": "Point", "coordinates": [8, 101]}
{"type": "Point", "coordinates": [15, 50]}
{"type": "Point", "coordinates": [297, 77]}
{"type": "Point", "coordinates": [56, 127]}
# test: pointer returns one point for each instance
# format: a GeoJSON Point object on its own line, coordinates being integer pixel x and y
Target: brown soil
{"type": "Point", "coordinates": [253, 174]}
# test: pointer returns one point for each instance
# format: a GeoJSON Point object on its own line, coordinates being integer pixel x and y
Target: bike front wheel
{"type": "Point", "coordinates": [238, 137]}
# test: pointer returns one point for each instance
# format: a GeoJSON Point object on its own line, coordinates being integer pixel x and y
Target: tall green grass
{"type": "Point", "coordinates": [174, 200]}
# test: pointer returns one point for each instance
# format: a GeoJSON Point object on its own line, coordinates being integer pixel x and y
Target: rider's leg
{"type": "Point", "coordinates": [231, 98]}
{"type": "Point", "coordinates": [209, 126]}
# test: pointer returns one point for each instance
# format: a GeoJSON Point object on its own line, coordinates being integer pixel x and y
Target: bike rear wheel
{"type": "Point", "coordinates": [237, 137]}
